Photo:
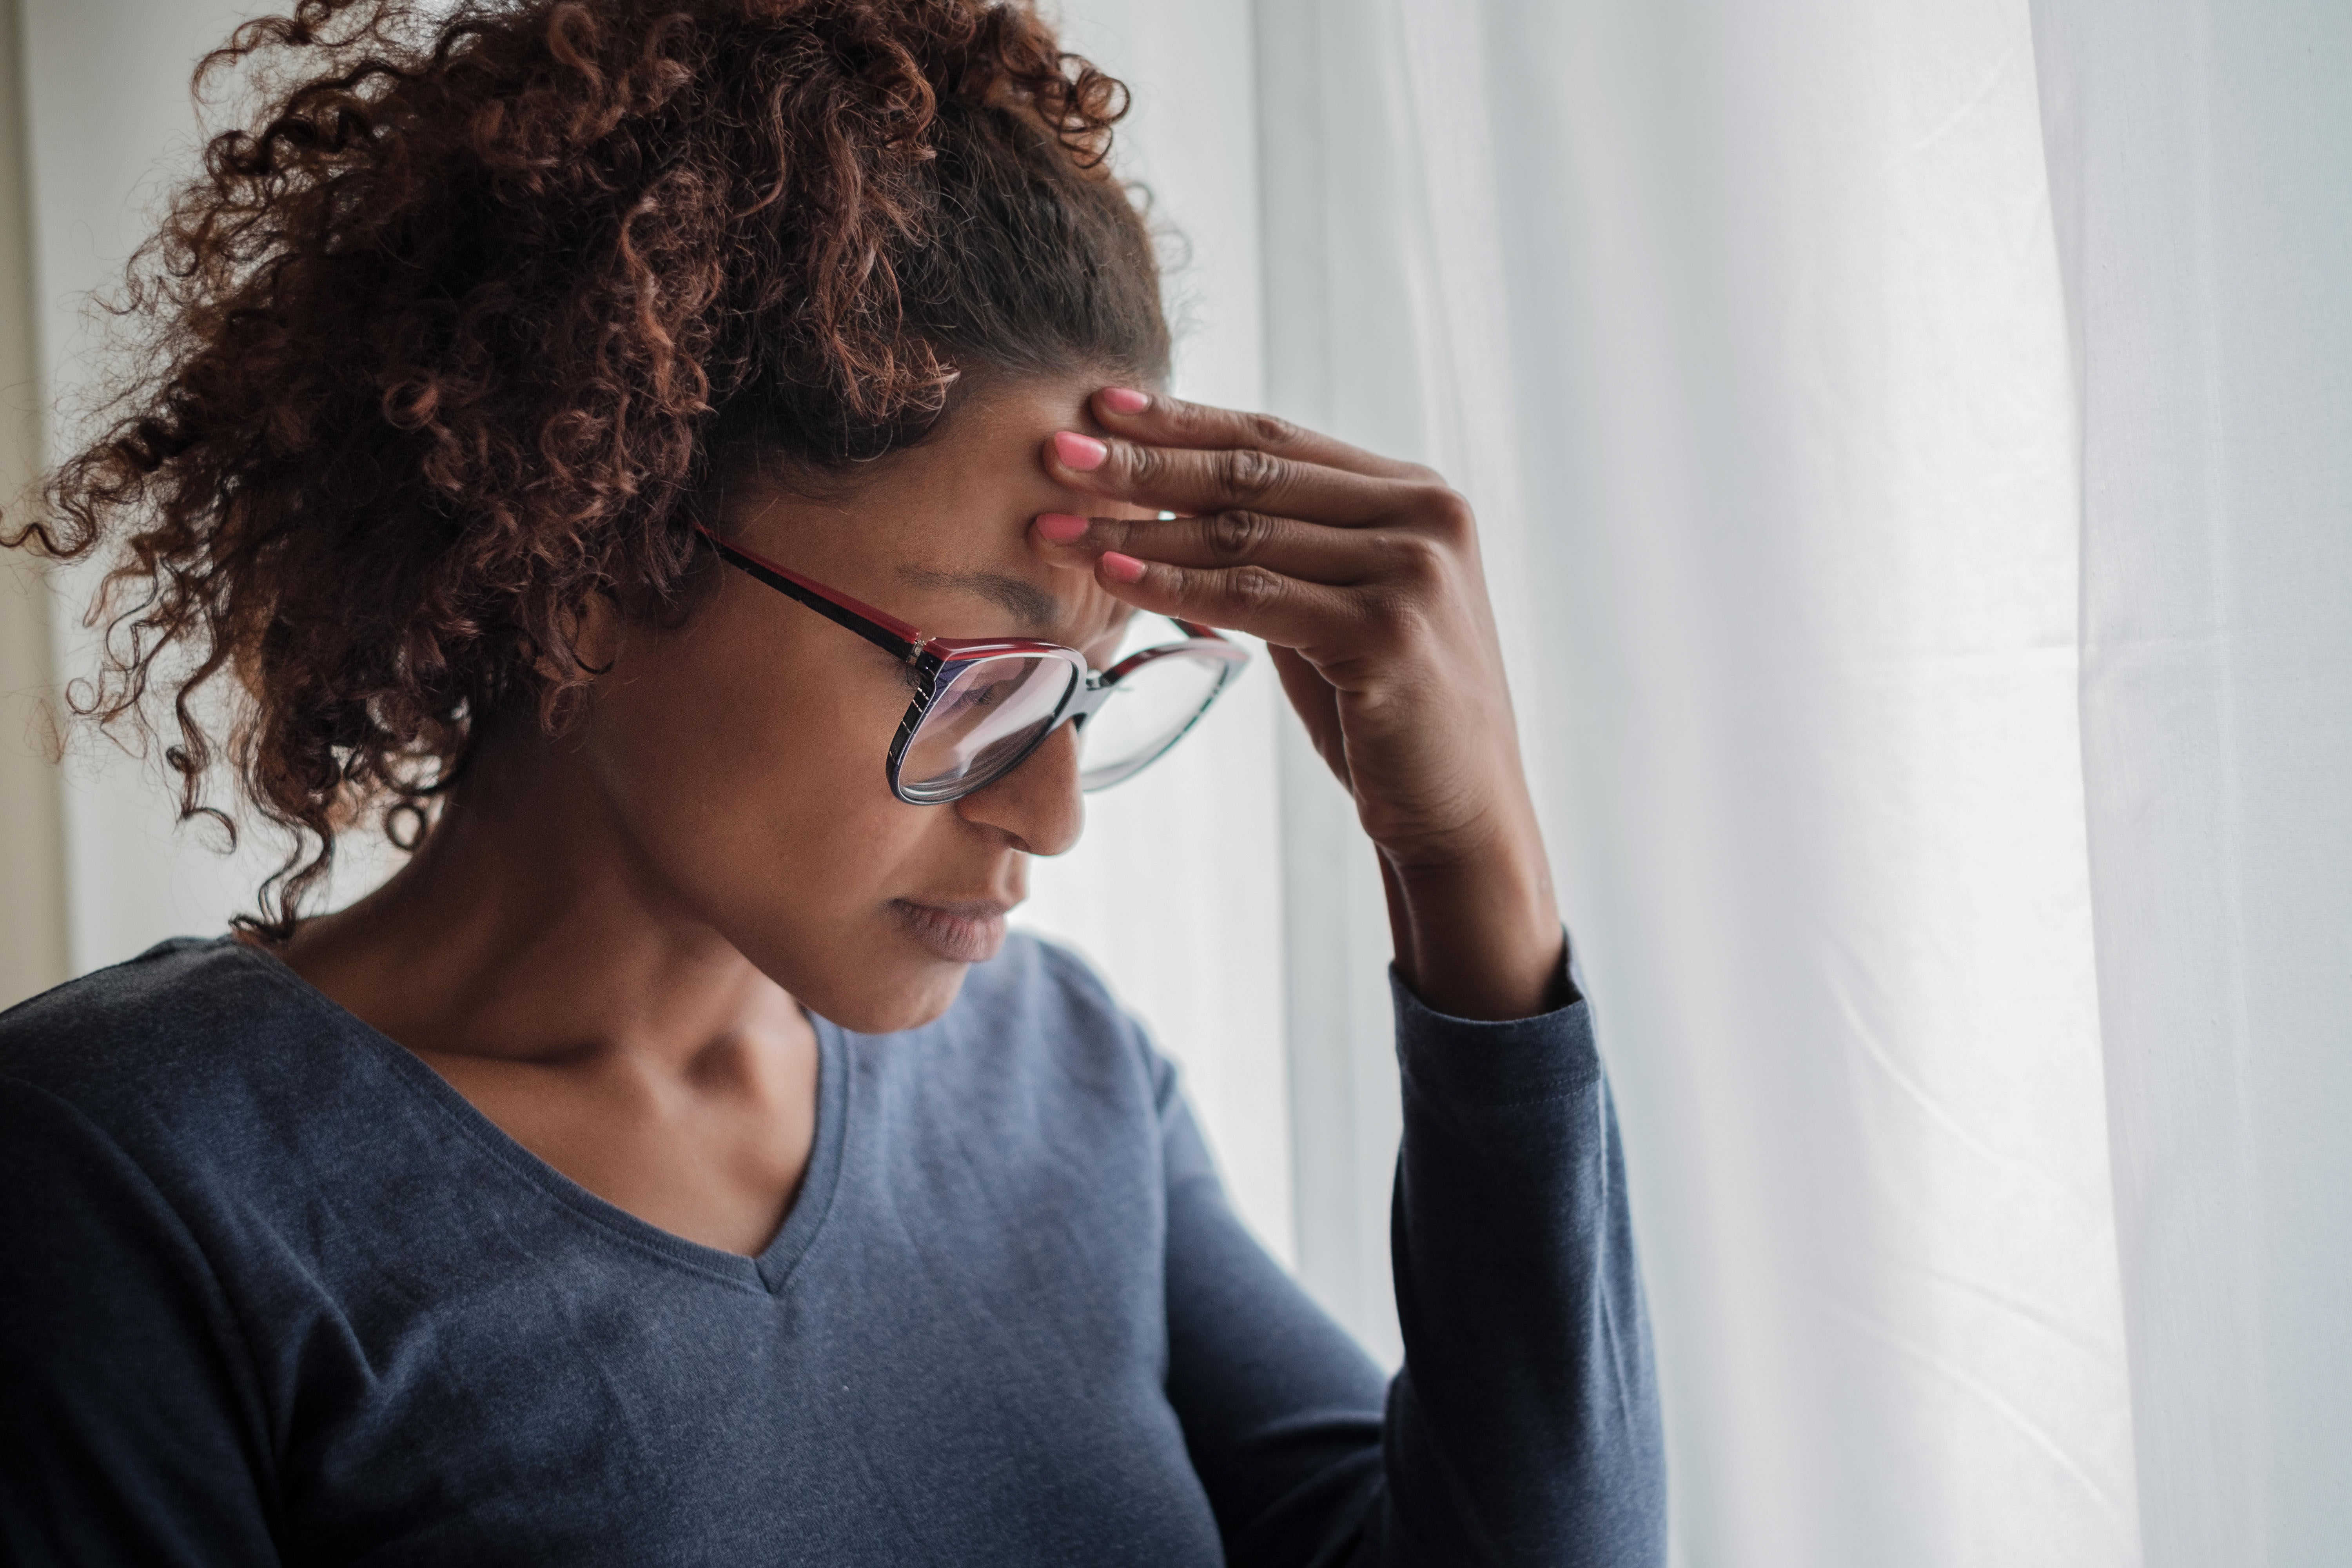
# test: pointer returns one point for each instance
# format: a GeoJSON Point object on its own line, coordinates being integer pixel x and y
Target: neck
{"type": "Point", "coordinates": [527, 929]}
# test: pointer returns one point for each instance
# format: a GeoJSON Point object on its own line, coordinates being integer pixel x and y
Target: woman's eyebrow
{"type": "Point", "coordinates": [1038, 609]}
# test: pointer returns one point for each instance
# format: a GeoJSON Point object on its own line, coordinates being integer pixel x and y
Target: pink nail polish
{"type": "Point", "coordinates": [1083, 453]}
{"type": "Point", "coordinates": [1120, 400]}
{"type": "Point", "coordinates": [1061, 526]}
{"type": "Point", "coordinates": [1121, 568]}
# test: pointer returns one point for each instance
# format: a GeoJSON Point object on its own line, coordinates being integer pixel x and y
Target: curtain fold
{"type": "Point", "coordinates": [2200, 163]}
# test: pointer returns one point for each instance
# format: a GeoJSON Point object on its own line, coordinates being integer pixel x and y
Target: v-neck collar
{"type": "Point", "coordinates": [770, 1269]}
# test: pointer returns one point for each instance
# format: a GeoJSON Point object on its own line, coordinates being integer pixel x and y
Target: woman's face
{"type": "Point", "coordinates": [742, 754]}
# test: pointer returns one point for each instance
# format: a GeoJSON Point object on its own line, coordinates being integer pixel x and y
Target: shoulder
{"type": "Point", "coordinates": [180, 1000]}
{"type": "Point", "coordinates": [1039, 1008]}
{"type": "Point", "coordinates": [190, 1044]}
{"type": "Point", "coordinates": [1039, 980]}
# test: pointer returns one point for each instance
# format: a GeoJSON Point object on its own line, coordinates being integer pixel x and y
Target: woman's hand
{"type": "Point", "coordinates": [1361, 574]}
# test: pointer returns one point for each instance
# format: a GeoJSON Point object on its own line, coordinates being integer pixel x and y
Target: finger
{"type": "Point", "coordinates": [1163, 421]}
{"type": "Point", "coordinates": [1339, 556]}
{"type": "Point", "coordinates": [1283, 611]}
{"type": "Point", "coordinates": [1237, 479]}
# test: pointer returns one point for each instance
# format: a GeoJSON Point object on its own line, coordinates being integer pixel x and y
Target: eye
{"type": "Point", "coordinates": [971, 695]}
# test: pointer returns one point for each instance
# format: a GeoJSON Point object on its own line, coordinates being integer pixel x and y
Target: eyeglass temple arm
{"type": "Point", "coordinates": [886, 632]}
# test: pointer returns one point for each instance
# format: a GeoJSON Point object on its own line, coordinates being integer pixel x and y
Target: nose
{"type": "Point", "coordinates": [1037, 804]}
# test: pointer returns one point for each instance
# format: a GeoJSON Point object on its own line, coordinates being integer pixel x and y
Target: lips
{"type": "Point", "coordinates": [962, 931]}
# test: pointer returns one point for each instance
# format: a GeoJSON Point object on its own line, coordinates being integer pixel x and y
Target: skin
{"type": "Point", "coordinates": [608, 941]}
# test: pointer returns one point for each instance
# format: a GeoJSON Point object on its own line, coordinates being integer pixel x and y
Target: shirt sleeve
{"type": "Point", "coordinates": [1524, 1428]}
{"type": "Point", "coordinates": [128, 1434]}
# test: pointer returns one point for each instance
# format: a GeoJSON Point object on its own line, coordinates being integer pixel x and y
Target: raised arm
{"type": "Point", "coordinates": [1524, 1427]}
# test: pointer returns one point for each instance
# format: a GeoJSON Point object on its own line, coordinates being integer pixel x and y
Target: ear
{"type": "Point", "coordinates": [596, 632]}
{"type": "Point", "coordinates": [594, 629]}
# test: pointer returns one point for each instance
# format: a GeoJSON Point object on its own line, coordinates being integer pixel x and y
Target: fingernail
{"type": "Point", "coordinates": [1083, 453]}
{"type": "Point", "coordinates": [1120, 400]}
{"type": "Point", "coordinates": [1121, 568]}
{"type": "Point", "coordinates": [1061, 526]}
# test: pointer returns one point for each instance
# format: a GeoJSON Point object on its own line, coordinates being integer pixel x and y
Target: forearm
{"type": "Point", "coordinates": [1525, 1427]}
{"type": "Point", "coordinates": [1478, 937]}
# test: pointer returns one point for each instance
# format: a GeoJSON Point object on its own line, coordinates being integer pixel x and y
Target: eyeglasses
{"type": "Point", "coordinates": [983, 706]}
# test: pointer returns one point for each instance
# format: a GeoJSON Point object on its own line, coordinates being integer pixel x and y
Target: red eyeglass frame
{"type": "Point", "coordinates": [936, 660]}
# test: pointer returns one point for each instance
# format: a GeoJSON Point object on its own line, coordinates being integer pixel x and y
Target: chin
{"type": "Point", "coordinates": [898, 968]}
{"type": "Point", "coordinates": [907, 998]}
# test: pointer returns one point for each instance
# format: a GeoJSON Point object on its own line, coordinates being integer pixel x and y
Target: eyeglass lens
{"type": "Point", "coordinates": [991, 714]}
{"type": "Point", "coordinates": [1147, 709]}
{"type": "Point", "coordinates": [983, 721]}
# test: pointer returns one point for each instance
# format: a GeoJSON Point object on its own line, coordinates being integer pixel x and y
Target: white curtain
{"type": "Point", "coordinates": [1916, 453]}
{"type": "Point", "coordinates": [1911, 447]}
{"type": "Point", "coordinates": [1743, 327]}
{"type": "Point", "coordinates": [2201, 158]}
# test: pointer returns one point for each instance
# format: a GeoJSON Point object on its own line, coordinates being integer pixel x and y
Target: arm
{"type": "Point", "coordinates": [1524, 1427]}
{"type": "Point", "coordinates": [128, 1432]}
{"type": "Point", "coordinates": [1281, 1409]}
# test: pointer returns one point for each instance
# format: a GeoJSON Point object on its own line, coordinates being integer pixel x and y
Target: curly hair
{"type": "Point", "coordinates": [466, 321]}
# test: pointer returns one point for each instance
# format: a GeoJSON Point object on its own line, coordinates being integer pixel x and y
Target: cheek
{"type": "Point", "coordinates": [758, 803]}
{"type": "Point", "coordinates": [749, 769]}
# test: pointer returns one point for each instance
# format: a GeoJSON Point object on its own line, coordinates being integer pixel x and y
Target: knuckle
{"type": "Point", "coordinates": [1145, 466]}
{"type": "Point", "coordinates": [1445, 508]}
{"type": "Point", "coordinates": [1248, 473]}
{"type": "Point", "coordinates": [1268, 430]}
{"type": "Point", "coordinates": [1394, 615]}
{"type": "Point", "coordinates": [1252, 588]}
{"type": "Point", "coordinates": [1235, 535]}
{"type": "Point", "coordinates": [1417, 561]}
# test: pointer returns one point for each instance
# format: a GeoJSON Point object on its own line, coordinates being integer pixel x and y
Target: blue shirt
{"type": "Point", "coordinates": [272, 1291]}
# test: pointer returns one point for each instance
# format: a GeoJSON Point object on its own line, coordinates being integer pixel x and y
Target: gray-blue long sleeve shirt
{"type": "Point", "coordinates": [272, 1291]}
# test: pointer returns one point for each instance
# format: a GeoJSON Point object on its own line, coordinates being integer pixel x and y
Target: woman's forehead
{"type": "Point", "coordinates": [938, 534]}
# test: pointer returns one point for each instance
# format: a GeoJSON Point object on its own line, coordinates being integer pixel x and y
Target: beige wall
{"type": "Point", "coordinates": [32, 861]}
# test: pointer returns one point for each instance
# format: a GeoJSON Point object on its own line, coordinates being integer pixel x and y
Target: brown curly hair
{"type": "Point", "coordinates": [468, 320]}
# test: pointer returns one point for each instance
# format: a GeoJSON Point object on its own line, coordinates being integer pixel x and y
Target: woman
{"type": "Point", "coordinates": [684, 459]}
